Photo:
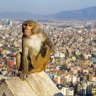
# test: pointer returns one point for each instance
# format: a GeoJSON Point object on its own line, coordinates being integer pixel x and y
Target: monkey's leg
{"type": "Point", "coordinates": [40, 62]}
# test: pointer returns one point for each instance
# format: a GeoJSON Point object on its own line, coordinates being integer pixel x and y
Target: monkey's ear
{"type": "Point", "coordinates": [36, 25]}
{"type": "Point", "coordinates": [36, 28]}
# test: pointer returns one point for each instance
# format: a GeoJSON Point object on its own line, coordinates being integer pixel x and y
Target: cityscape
{"type": "Point", "coordinates": [72, 67]}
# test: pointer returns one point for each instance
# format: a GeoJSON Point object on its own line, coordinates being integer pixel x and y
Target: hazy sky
{"type": "Point", "coordinates": [44, 6]}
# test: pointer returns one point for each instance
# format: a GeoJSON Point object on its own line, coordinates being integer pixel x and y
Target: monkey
{"type": "Point", "coordinates": [36, 49]}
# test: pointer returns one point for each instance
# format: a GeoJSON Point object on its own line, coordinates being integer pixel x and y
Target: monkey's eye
{"type": "Point", "coordinates": [27, 25]}
{"type": "Point", "coordinates": [24, 25]}
{"type": "Point", "coordinates": [30, 25]}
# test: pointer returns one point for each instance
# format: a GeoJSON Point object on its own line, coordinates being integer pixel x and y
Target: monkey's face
{"type": "Point", "coordinates": [27, 29]}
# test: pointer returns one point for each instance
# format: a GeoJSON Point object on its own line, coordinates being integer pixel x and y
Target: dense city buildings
{"type": "Point", "coordinates": [73, 65]}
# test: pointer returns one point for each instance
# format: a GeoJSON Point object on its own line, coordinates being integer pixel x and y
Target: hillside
{"type": "Point", "coordinates": [81, 14]}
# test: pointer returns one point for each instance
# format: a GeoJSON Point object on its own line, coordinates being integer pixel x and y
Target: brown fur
{"type": "Point", "coordinates": [33, 59]}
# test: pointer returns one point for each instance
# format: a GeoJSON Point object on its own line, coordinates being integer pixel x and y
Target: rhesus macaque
{"type": "Point", "coordinates": [36, 48]}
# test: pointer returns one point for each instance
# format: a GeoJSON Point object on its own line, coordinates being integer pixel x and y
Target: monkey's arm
{"type": "Point", "coordinates": [49, 44]}
{"type": "Point", "coordinates": [25, 60]}
{"type": "Point", "coordinates": [47, 41]}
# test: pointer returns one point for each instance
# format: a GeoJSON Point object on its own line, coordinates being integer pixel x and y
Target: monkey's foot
{"type": "Point", "coordinates": [23, 76]}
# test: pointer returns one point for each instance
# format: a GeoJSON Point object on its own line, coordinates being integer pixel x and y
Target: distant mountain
{"type": "Point", "coordinates": [81, 14]}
